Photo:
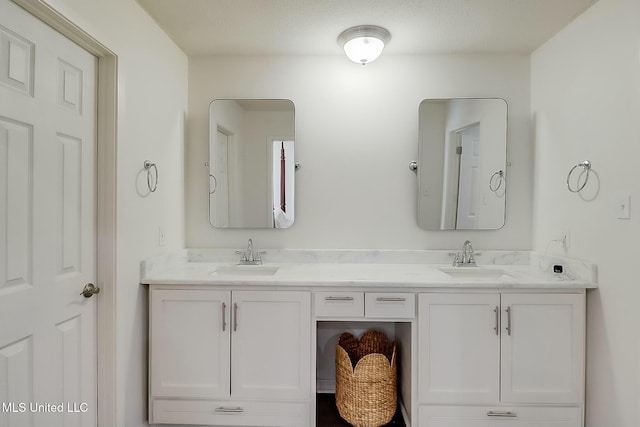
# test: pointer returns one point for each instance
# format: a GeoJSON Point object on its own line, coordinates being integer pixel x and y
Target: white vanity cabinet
{"type": "Point", "coordinates": [505, 355]}
{"type": "Point", "coordinates": [221, 357]}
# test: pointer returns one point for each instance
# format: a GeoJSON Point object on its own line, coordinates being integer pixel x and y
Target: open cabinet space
{"type": "Point", "coordinates": [327, 336]}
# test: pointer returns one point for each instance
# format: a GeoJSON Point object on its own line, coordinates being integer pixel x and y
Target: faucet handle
{"type": "Point", "coordinates": [456, 259]}
{"type": "Point", "coordinates": [244, 255]}
{"type": "Point", "coordinates": [258, 256]}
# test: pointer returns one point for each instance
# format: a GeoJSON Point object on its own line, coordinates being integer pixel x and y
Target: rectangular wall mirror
{"type": "Point", "coordinates": [251, 163]}
{"type": "Point", "coordinates": [462, 164]}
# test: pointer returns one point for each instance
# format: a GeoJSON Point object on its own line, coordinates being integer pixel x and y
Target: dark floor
{"type": "Point", "coordinates": [327, 414]}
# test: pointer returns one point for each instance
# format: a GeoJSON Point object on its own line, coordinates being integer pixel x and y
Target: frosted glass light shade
{"type": "Point", "coordinates": [363, 49]}
{"type": "Point", "coordinates": [363, 44]}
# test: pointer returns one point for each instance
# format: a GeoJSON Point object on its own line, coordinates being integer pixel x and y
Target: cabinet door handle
{"type": "Point", "coordinates": [496, 328]}
{"type": "Point", "coordinates": [224, 317]}
{"type": "Point", "coordinates": [504, 414]}
{"type": "Point", "coordinates": [235, 317]}
{"type": "Point", "coordinates": [229, 410]}
{"type": "Point", "coordinates": [338, 298]}
{"type": "Point", "coordinates": [508, 328]}
{"type": "Point", "coordinates": [390, 299]}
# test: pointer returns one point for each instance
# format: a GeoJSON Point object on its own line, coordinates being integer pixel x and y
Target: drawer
{"type": "Point", "coordinates": [231, 413]}
{"type": "Point", "coordinates": [339, 304]}
{"type": "Point", "coordinates": [503, 416]}
{"type": "Point", "coordinates": [390, 305]}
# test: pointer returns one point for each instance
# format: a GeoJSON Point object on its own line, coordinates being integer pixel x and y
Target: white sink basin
{"type": "Point", "coordinates": [474, 272]}
{"type": "Point", "coordinates": [245, 270]}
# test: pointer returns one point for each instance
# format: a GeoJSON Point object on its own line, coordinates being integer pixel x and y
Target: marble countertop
{"type": "Point", "coordinates": [377, 269]}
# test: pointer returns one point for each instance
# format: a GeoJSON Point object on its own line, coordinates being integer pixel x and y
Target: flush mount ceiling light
{"type": "Point", "coordinates": [364, 43]}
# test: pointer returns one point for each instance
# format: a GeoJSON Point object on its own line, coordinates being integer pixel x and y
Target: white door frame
{"type": "Point", "coordinates": [106, 199]}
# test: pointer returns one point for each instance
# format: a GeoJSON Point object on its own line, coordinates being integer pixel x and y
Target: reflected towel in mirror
{"type": "Point", "coordinates": [281, 219]}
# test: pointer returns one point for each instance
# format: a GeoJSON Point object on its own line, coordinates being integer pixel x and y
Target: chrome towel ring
{"type": "Point", "coordinates": [496, 180]}
{"type": "Point", "coordinates": [215, 184]}
{"type": "Point", "coordinates": [586, 168]}
{"type": "Point", "coordinates": [152, 181]}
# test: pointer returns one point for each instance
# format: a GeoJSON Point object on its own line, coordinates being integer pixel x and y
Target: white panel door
{"type": "Point", "coordinates": [189, 341]}
{"type": "Point", "coordinates": [467, 217]}
{"type": "Point", "coordinates": [543, 348]}
{"type": "Point", "coordinates": [271, 345]}
{"type": "Point", "coordinates": [458, 348]}
{"type": "Point", "coordinates": [47, 225]}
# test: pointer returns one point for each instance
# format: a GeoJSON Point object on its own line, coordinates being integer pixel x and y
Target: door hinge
{"type": "Point", "coordinates": [459, 150]}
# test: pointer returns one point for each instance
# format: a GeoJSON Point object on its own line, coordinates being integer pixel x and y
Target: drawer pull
{"type": "Point", "coordinates": [497, 327]}
{"type": "Point", "coordinates": [390, 299]}
{"type": "Point", "coordinates": [338, 298]}
{"type": "Point", "coordinates": [504, 414]}
{"type": "Point", "coordinates": [229, 410]}
{"type": "Point", "coordinates": [508, 328]}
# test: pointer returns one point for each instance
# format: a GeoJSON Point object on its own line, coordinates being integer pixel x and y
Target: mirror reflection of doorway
{"type": "Point", "coordinates": [462, 169]}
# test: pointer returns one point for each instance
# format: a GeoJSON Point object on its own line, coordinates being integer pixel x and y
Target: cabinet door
{"type": "Point", "coordinates": [271, 345]}
{"type": "Point", "coordinates": [458, 348]}
{"type": "Point", "coordinates": [189, 345]}
{"type": "Point", "coordinates": [543, 348]}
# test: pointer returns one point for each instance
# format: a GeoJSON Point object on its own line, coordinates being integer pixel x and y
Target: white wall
{"type": "Point", "coordinates": [152, 99]}
{"type": "Point", "coordinates": [356, 131]}
{"type": "Point", "coordinates": [585, 90]}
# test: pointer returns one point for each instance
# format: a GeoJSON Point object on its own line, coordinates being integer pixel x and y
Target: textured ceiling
{"type": "Point", "coordinates": [311, 27]}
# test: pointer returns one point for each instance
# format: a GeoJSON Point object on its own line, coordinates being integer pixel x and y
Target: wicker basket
{"type": "Point", "coordinates": [366, 379]}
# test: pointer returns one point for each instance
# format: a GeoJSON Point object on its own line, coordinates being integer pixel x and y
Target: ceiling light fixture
{"type": "Point", "coordinates": [364, 43]}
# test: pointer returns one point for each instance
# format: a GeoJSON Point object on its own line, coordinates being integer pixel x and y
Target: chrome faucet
{"type": "Point", "coordinates": [250, 257]}
{"type": "Point", "coordinates": [465, 259]}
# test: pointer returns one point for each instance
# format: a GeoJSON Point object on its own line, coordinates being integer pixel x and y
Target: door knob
{"type": "Point", "coordinates": [89, 290]}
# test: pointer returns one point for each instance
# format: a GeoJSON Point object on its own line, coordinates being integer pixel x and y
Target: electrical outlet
{"type": "Point", "coordinates": [162, 237]}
